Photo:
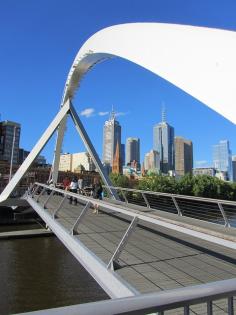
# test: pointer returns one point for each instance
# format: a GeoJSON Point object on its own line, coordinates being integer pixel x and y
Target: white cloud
{"type": "Point", "coordinates": [121, 114]}
{"type": "Point", "coordinates": [103, 113]}
{"type": "Point", "coordinates": [87, 112]}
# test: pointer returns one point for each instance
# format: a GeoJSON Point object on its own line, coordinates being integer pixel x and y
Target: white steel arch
{"type": "Point", "coordinates": [201, 61]}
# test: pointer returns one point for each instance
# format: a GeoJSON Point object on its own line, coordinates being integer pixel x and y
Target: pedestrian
{"type": "Point", "coordinates": [97, 191]}
{"type": "Point", "coordinates": [73, 188]}
{"type": "Point", "coordinates": [80, 185]}
{"type": "Point", "coordinates": [66, 183]}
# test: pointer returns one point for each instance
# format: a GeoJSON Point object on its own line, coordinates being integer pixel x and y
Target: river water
{"type": "Point", "coordinates": [39, 273]}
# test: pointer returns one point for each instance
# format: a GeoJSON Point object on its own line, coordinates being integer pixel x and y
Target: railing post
{"type": "Point", "coordinates": [231, 305]}
{"type": "Point", "coordinates": [35, 191]}
{"type": "Point", "coordinates": [122, 243]}
{"type": "Point", "coordinates": [186, 310]}
{"type": "Point", "coordinates": [209, 308]}
{"type": "Point", "coordinates": [46, 201]}
{"type": "Point", "coordinates": [145, 199]}
{"type": "Point", "coordinates": [124, 196]}
{"type": "Point", "coordinates": [78, 221]}
{"type": "Point", "coordinates": [59, 207]}
{"type": "Point", "coordinates": [40, 194]}
{"type": "Point", "coordinates": [177, 206]}
{"type": "Point", "coordinates": [227, 224]}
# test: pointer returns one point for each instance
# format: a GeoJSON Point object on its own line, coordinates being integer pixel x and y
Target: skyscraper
{"type": "Point", "coordinates": [183, 156]}
{"type": "Point", "coordinates": [163, 142]}
{"type": "Point", "coordinates": [234, 168]}
{"type": "Point", "coordinates": [9, 141]}
{"type": "Point", "coordinates": [111, 136]}
{"type": "Point", "coordinates": [132, 150]}
{"type": "Point", "coordinates": [122, 153]}
{"type": "Point", "coordinates": [222, 158]}
{"type": "Point", "coordinates": [152, 161]}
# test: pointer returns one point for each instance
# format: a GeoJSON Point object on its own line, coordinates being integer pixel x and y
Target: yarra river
{"type": "Point", "coordinates": [39, 273]}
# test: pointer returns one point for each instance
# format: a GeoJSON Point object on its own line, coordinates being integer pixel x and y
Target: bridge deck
{"type": "Point", "coordinates": [155, 257]}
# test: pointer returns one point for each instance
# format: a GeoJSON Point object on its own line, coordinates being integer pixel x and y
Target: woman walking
{"type": "Point", "coordinates": [97, 192]}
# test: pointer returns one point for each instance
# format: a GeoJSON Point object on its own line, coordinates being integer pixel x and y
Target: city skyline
{"type": "Point", "coordinates": [136, 93]}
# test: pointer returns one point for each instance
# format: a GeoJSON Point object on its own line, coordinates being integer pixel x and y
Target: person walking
{"type": "Point", "coordinates": [66, 183]}
{"type": "Point", "coordinates": [73, 188]}
{"type": "Point", "coordinates": [97, 192]}
{"type": "Point", "coordinates": [80, 185]}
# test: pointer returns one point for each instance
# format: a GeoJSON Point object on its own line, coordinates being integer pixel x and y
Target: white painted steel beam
{"type": "Point", "coordinates": [35, 152]}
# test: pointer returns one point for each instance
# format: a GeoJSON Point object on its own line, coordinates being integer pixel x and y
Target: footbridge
{"type": "Point", "coordinates": [151, 252]}
{"type": "Point", "coordinates": [158, 252]}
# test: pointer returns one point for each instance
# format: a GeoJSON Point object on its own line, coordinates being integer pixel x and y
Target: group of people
{"type": "Point", "coordinates": [76, 186]}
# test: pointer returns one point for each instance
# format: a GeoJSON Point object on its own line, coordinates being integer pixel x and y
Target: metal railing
{"type": "Point", "coordinates": [160, 302]}
{"type": "Point", "coordinates": [217, 211]}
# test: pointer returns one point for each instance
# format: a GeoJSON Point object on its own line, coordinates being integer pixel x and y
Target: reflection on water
{"type": "Point", "coordinates": [39, 273]}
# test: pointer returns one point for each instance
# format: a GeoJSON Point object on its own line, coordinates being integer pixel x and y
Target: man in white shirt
{"type": "Point", "coordinates": [73, 188]}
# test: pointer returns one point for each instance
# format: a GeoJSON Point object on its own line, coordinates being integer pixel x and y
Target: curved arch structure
{"type": "Point", "coordinates": [201, 61]}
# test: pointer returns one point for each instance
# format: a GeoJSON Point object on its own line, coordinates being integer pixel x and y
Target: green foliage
{"type": "Point", "coordinates": [119, 180]}
{"type": "Point", "coordinates": [200, 186]}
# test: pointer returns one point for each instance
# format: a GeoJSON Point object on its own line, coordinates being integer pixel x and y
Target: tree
{"type": "Point", "coordinates": [119, 180]}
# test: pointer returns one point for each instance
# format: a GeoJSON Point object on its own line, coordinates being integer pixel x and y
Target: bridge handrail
{"type": "Point", "coordinates": [157, 302]}
{"type": "Point", "coordinates": [121, 208]}
{"type": "Point", "coordinates": [210, 200]}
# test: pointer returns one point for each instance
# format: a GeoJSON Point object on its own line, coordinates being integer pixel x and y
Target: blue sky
{"type": "Point", "coordinates": [39, 40]}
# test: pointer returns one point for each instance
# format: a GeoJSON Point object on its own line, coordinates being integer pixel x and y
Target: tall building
{"type": "Point", "coordinates": [152, 161]}
{"type": "Point", "coordinates": [132, 150]}
{"type": "Point", "coordinates": [234, 167]}
{"type": "Point", "coordinates": [122, 153]}
{"type": "Point", "coordinates": [222, 158]}
{"type": "Point", "coordinates": [9, 141]}
{"type": "Point", "coordinates": [163, 142]}
{"type": "Point", "coordinates": [73, 162]}
{"type": "Point", "coordinates": [111, 136]}
{"type": "Point", "coordinates": [22, 155]}
{"type": "Point", "coordinates": [183, 156]}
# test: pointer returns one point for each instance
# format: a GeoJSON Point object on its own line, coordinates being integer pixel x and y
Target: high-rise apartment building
{"type": "Point", "coordinates": [152, 161]}
{"type": "Point", "coordinates": [183, 156]}
{"type": "Point", "coordinates": [222, 158]}
{"type": "Point", "coordinates": [111, 136]}
{"type": "Point", "coordinates": [234, 167]}
{"type": "Point", "coordinates": [132, 150]}
{"type": "Point", "coordinates": [9, 141]}
{"type": "Point", "coordinates": [163, 142]}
